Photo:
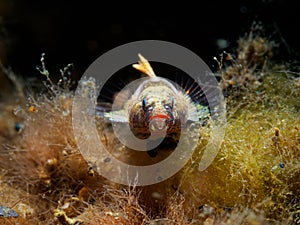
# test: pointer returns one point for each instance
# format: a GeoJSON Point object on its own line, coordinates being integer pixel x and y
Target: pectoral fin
{"type": "Point", "coordinates": [116, 116]}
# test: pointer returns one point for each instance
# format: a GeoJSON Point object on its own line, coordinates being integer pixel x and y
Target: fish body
{"type": "Point", "coordinates": [158, 106]}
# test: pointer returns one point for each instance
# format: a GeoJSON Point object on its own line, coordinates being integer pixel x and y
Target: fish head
{"type": "Point", "coordinates": [158, 110]}
{"type": "Point", "coordinates": [154, 110]}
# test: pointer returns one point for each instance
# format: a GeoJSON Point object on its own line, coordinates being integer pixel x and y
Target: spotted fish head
{"type": "Point", "coordinates": [155, 109]}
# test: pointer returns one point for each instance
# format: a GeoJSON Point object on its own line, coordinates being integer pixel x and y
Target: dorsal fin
{"type": "Point", "coordinates": [144, 66]}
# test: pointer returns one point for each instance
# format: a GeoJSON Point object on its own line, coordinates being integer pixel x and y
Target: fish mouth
{"type": "Point", "coordinates": [158, 124]}
{"type": "Point", "coordinates": [159, 116]}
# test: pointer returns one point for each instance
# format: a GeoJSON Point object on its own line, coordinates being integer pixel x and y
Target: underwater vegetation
{"type": "Point", "coordinates": [255, 178]}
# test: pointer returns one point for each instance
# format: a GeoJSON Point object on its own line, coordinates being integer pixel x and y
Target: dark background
{"type": "Point", "coordinates": [79, 32]}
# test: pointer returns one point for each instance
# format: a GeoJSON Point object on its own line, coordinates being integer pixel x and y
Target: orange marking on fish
{"type": "Point", "coordinates": [160, 116]}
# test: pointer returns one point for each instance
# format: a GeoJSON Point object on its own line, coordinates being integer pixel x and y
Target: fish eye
{"type": "Point", "coordinates": [168, 107]}
{"type": "Point", "coordinates": [149, 108]}
{"type": "Point", "coordinates": [145, 107]}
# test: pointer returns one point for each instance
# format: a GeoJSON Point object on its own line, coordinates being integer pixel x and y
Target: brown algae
{"type": "Point", "coordinates": [253, 180]}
